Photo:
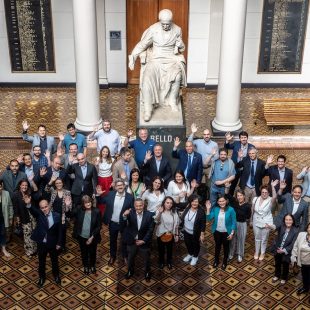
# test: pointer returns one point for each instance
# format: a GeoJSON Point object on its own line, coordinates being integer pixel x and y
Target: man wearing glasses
{"type": "Point", "coordinates": [222, 173]}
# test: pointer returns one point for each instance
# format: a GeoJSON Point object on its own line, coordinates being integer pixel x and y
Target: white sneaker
{"type": "Point", "coordinates": [239, 258]}
{"type": "Point", "coordinates": [187, 258]}
{"type": "Point", "coordinates": [230, 257]}
{"type": "Point", "coordinates": [194, 261]}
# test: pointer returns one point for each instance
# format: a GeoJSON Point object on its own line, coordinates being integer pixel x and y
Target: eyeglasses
{"type": "Point", "coordinates": [221, 167]}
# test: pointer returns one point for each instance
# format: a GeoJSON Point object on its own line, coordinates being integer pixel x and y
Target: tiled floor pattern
{"type": "Point", "coordinates": [242, 286]}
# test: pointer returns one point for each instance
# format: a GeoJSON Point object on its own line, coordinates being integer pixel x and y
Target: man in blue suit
{"type": "Point", "coordinates": [48, 235]}
{"type": "Point", "coordinates": [117, 202]}
{"type": "Point", "coordinates": [190, 162]}
{"type": "Point", "coordinates": [240, 150]}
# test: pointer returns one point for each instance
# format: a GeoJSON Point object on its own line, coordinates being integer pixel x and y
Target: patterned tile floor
{"type": "Point", "coordinates": [242, 286]}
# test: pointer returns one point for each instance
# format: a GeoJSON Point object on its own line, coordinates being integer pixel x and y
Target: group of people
{"type": "Point", "coordinates": [132, 189]}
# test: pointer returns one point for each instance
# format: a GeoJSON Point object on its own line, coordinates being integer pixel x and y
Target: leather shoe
{"type": "Point", "coordinates": [41, 282]}
{"type": "Point", "coordinates": [57, 280]}
{"type": "Point", "coordinates": [161, 266]}
{"type": "Point", "coordinates": [86, 270]}
{"type": "Point", "coordinates": [111, 261]}
{"type": "Point", "coordinates": [224, 266]}
{"type": "Point", "coordinates": [169, 266]}
{"type": "Point", "coordinates": [301, 290]}
{"type": "Point", "coordinates": [129, 274]}
{"type": "Point", "coordinates": [147, 276]}
{"type": "Point", "coordinates": [215, 264]}
{"type": "Point", "coordinates": [93, 269]}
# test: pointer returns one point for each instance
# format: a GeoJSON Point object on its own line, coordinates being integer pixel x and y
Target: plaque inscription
{"type": "Point", "coordinates": [30, 35]}
{"type": "Point", "coordinates": [283, 34]}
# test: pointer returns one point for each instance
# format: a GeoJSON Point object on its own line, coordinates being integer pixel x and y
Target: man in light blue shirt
{"type": "Point", "coordinates": [207, 148]}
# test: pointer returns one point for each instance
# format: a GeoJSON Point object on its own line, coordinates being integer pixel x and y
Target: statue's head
{"type": "Point", "coordinates": [165, 18]}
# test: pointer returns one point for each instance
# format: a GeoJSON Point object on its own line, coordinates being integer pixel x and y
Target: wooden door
{"type": "Point", "coordinates": [143, 13]}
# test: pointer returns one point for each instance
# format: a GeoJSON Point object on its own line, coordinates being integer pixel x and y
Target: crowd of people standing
{"type": "Point", "coordinates": [131, 188]}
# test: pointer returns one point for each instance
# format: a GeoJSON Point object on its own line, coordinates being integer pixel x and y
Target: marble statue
{"type": "Point", "coordinates": [162, 65]}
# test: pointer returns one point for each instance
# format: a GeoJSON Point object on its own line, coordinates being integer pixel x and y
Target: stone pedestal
{"type": "Point", "coordinates": [164, 126]}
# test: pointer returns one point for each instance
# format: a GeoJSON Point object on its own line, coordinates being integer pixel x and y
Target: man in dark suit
{"type": "Point", "coordinates": [138, 232]}
{"type": "Point", "coordinates": [280, 172]}
{"type": "Point", "coordinates": [85, 179]}
{"type": "Point", "coordinates": [47, 234]}
{"type": "Point", "coordinates": [156, 165]}
{"type": "Point", "coordinates": [117, 202]}
{"type": "Point", "coordinates": [44, 176]}
{"type": "Point", "coordinates": [252, 171]}
{"type": "Point", "coordinates": [240, 150]}
{"type": "Point", "coordinates": [292, 204]}
{"type": "Point", "coordinates": [11, 177]}
{"type": "Point", "coordinates": [190, 162]}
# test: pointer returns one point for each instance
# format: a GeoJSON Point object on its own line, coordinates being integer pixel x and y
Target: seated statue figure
{"type": "Point", "coordinates": [162, 65]}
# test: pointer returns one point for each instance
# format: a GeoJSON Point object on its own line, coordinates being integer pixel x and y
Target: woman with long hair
{"type": "Point", "coordinates": [224, 226]}
{"type": "Point", "coordinates": [60, 202]}
{"type": "Point", "coordinates": [301, 256]}
{"type": "Point", "coordinates": [23, 214]}
{"type": "Point", "coordinates": [167, 231]}
{"type": "Point", "coordinates": [179, 188]}
{"type": "Point", "coordinates": [154, 195]}
{"type": "Point", "coordinates": [262, 218]}
{"type": "Point", "coordinates": [193, 225]}
{"type": "Point", "coordinates": [87, 231]}
{"type": "Point", "coordinates": [243, 214]}
{"type": "Point", "coordinates": [282, 248]}
{"type": "Point", "coordinates": [136, 187]}
{"type": "Point", "coordinates": [104, 166]}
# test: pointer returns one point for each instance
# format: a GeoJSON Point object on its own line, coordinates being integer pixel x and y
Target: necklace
{"type": "Point", "coordinates": [190, 219]}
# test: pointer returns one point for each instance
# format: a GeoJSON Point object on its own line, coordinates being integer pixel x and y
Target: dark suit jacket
{"type": "Point", "coordinates": [236, 146]}
{"type": "Point", "coordinates": [108, 200]}
{"type": "Point", "coordinates": [301, 215]}
{"type": "Point", "coordinates": [95, 224]}
{"type": "Point", "coordinates": [273, 174]}
{"type": "Point", "coordinates": [149, 170]}
{"type": "Point", "coordinates": [196, 168]}
{"type": "Point", "coordinates": [244, 167]}
{"type": "Point", "coordinates": [7, 178]}
{"type": "Point", "coordinates": [53, 234]}
{"type": "Point", "coordinates": [200, 221]}
{"type": "Point", "coordinates": [88, 184]}
{"type": "Point", "coordinates": [288, 244]}
{"type": "Point", "coordinates": [130, 227]}
{"type": "Point", "coordinates": [42, 181]}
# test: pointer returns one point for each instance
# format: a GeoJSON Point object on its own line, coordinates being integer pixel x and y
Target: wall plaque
{"type": "Point", "coordinates": [284, 25]}
{"type": "Point", "coordinates": [30, 35]}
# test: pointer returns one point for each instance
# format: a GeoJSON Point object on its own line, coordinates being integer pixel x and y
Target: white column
{"type": "Point", "coordinates": [229, 87]}
{"type": "Point", "coordinates": [86, 65]}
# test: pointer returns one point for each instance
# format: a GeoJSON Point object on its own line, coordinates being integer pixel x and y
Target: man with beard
{"type": "Point", "coordinates": [106, 137]}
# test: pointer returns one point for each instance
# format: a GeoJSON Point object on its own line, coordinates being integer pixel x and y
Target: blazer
{"type": "Point", "coordinates": [7, 178]}
{"type": "Point", "coordinates": [305, 177]}
{"type": "Point", "coordinates": [95, 224]}
{"type": "Point", "coordinates": [41, 181]}
{"type": "Point", "coordinates": [53, 234]}
{"type": "Point", "coordinates": [273, 174]}
{"type": "Point", "coordinates": [288, 243]}
{"type": "Point", "coordinates": [149, 170]}
{"type": "Point", "coordinates": [301, 215]}
{"type": "Point", "coordinates": [299, 254]}
{"type": "Point", "coordinates": [236, 146]}
{"type": "Point", "coordinates": [88, 184]}
{"type": "Point", "coordinates": [244, 167]}
{"type": "Point", "coordinates": [200, 221]}
{"type": "Point", "coordinates": [130, 226]}
{"type": "Point", "coordinates": [118, 169]}
{"type": "Point", "coordinates": [230, 219]}
{"type": "Point", "coordinates": [196, 168]}
{"type": "Point", "coordinates": [262, 214]}
{"type": "Point", "coordinates": [35, 140]}
{"type": "Point", "coordinates": [108, 200]}
{"type": "Point", "coordinates": [7, 208]}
